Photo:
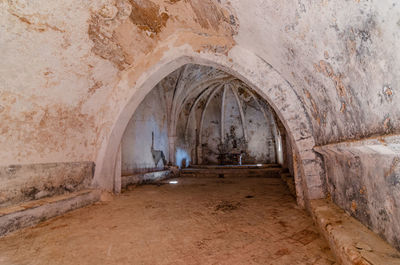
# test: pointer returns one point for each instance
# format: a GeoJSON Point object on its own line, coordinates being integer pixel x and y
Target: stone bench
{"type": "Point", "coordinates": [31, 213]}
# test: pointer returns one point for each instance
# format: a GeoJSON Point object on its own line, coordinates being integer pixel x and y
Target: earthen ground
{"type": "Point", "coordinates": [197, 221]}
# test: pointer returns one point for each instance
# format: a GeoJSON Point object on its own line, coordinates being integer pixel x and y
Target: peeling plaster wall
{"type": "Point", "coordinates": [50, 82]}
{"type": "Point", "coordinates": [136, 146]}
{"type": "Point", "coordinates": [19, 183]}
{"type": "Point", "coordinates": [61, 62]}
{"type": "Point", "coordinates": [342, 57]}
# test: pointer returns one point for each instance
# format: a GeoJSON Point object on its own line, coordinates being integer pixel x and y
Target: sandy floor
{"type": "Point", "coordinates": [198, 221]}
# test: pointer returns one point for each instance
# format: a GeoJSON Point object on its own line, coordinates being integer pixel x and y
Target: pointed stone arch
{"type": "Point", "coordinates": [258, 75]}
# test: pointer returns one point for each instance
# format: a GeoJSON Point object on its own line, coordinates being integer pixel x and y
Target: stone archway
{"type": "Point", "coordinates": [258, 75]}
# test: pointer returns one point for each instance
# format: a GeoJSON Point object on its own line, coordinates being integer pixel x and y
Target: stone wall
{"type": "Point", "coordinates": [19, 183]}
{"type": "Point", "coordinates": [363, 178]}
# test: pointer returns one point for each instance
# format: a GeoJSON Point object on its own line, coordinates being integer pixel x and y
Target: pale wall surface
{"type": "Point", "coordinates": [340, 56]}
{"type": "Point", "coordinates": [149, 118]}
{"type": "Point", "coordinates": [194, 86]}
{"type": "Point", "coordinates": [258, 146]}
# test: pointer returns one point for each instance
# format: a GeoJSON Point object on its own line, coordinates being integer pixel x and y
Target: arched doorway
{"type": "Point", "coordinates": [256, 74]}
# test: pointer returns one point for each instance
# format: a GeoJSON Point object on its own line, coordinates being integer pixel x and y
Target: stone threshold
{"type": "Point", "coordinates": [30, 213]}
{"type": "Point", "coordinates": [350, 241]}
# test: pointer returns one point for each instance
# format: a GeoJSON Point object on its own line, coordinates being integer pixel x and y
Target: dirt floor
{"type": "Point", "coordinates": [197, 221]}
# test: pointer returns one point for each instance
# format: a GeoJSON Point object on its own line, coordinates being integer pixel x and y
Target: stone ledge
{"type": "Point", "coordinates": [350, 241]}
{"type": "Point", "coordinates": [148, 177]}
{"type": "Point", "coordinates": [31, 213]}
{"type": "Point", "coordinates": [363, 178]}
{"type": "Point", "coordinates": [232, 172]}
{"type": "Point", "coordinates": [251, 166]}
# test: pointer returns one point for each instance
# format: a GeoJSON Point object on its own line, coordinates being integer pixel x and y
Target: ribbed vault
{"type": "Point", "coordinates": [201, 91]}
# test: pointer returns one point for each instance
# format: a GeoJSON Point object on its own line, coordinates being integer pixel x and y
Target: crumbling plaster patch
{"type": "Point", "coordinates": [19, 183]}
{"type": "Point", "coordinates": [59, 64]}
{"type": "Point", "coordinates": [46, 72]}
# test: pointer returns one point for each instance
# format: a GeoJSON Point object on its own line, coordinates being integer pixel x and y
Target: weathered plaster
{"type": "Point", "coordinates": [20, 183]}
{"type": "Point", "coordinates": [60, 63]}
{"type": "Point", "coordinates": [148, 126]}
{"type": "Point", "coordinates": [363, 178]}
{"type": "Point", "coordinates": [341, 56]}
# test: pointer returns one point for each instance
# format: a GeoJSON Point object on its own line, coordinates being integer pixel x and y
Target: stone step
{"type": "Point", "coordinates": [31, 213]}
{"type": "Point", "coordinates": [144, 178]}
{"type": "Point", "coordinates": [350, 241]}
{"type": "Point", "coordinates": [250, 166]}
{"type": "Point", "coordinates": [231, 172]}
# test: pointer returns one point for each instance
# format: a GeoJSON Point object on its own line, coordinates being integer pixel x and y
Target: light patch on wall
{"type": "Point", "coordinates": [279, 148]}
{"type": "Point", "coordinates": [180, 156]}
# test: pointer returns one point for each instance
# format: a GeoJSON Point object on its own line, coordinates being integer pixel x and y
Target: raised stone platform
{"type": "Point", "coordinates": [142, 178]}
{"type": "Point", "coordinates": [31, 213]}
{"type": "Point", "coordinates": [262, 170]}
{"type": "Point", "coordinates": [248, 166]}
{"type": "Point", "coordinates": [26, 182]}
{"type": "Point", "coordinates": [363, 178]}
{"type": "Point", "coordinates": [350, 241]}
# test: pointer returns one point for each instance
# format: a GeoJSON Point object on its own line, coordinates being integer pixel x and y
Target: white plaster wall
{"type": "Point", "coordinates": [261, 142]}
{"type": "Point", "coordinates": [211, 131]}
{"type": "Point", "coordinates": [150, 117]}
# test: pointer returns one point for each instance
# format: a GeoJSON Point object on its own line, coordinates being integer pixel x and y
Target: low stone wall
{"type": "Point", "coordinates": [363, 178]}
{"type": "Point", "coordinates": [20, 183]}
{"type": "Point", "coordinates": [142, 178]}
{"type": "Point", "coordinates": [31, 213]}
